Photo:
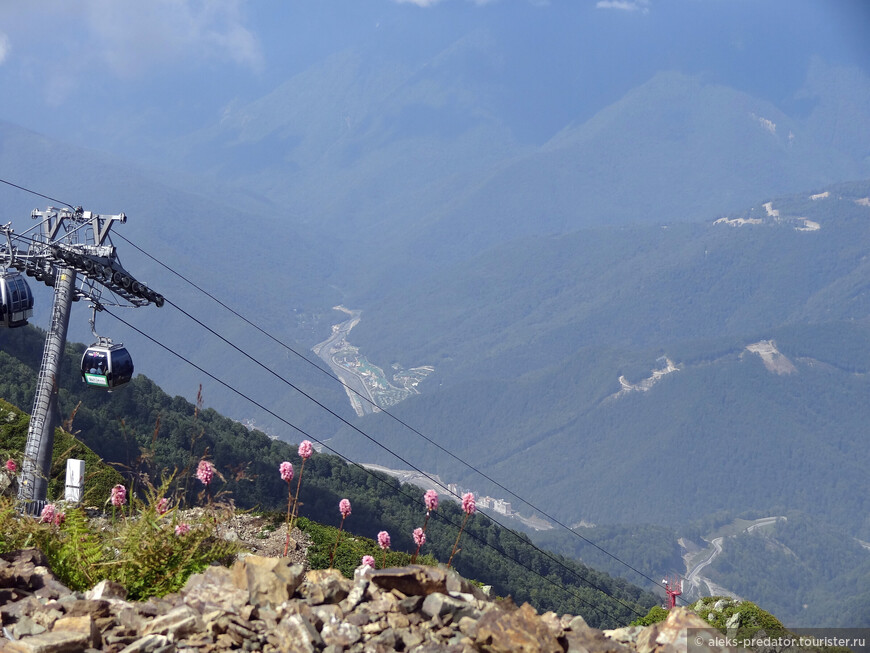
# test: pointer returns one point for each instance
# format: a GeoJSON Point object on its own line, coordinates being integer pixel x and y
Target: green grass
{"type": "Point", "coordinates": [350, 550]}
{"type": "Point", "coordinates": [137, 548]}
{"type": "Point", "coordinates": [734, 528]}
{"type": "Point", "coordinates": [99, 477]}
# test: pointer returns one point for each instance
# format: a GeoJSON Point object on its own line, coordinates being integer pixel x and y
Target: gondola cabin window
{"type": "Point", "coordinates": [96, 368]}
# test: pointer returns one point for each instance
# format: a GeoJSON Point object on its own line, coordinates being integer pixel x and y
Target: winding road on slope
{"type": "Point", "coordinates": [694, 578]}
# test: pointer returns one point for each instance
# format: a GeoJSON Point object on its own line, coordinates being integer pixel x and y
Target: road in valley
{"type": "Point", "coordinates": [694, 578]}
{"type": "Point", "coordinates": [354, 385]}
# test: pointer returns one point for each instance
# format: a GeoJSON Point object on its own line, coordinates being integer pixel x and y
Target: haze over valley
{"type": "Point", "coordinates": [607, 260]}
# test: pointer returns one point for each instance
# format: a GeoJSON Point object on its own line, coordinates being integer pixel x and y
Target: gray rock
{"type": "Point", "coordinates": [268, 581]}
{"type": "Point", "coordinates": [341, 634]}
{"type": "Point", "coordinates": [296, 633]}
{"type": "Point", "coordinates": [356, 595]}
{"type": "Point", "coordinates": [60, 642]}
{"type": "Point", "coordinates": [215, 588]}
{"type": "Point", "coordinates": [8, 484]}
{"type": "Point", "coordinates": [26, 626]}
{"type": "Point", "coordinates": [732, 624]}
{"type": "Point", "coordinates": [442, 605]}
{"type": "Point", "coordinates": [627, 635]}
{"type": "Point", "coordinates": [106, 590]}
{"type": "Point", "coordinates": [175, 624]}
{"type": "Point", "coordinates": [269, 604]}
{"type": "Point", "coordinates": [83, 624]}
{"type": "Point", "coordinates": [577, 623]}
{"type": "Point", "coordinates": [515, 630]}
{"type": "Point", "coordinates": [413, 580]}
{"type": "Point", "coordinates": [150, 644]}
{"type": "Point", "coordinates": [325, 586]}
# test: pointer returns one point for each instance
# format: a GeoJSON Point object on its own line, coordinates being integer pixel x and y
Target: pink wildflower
{"type": "Point", "coordinates": [205, 472]}
{"type": "Point", "coordinates": [59, 518]}
{"type": "Point", "coordinates": [368, 561]}
{"type": "Point", "coordinates": [305, 449]}
{"type": "Point", "coordinates": [431, 499]}
{"type": "Point", "coordinates": [162, 506]}
{"type": "Point", "coordinates": [47, 515]}
{"type": "Point", "coordinates": [182, 529]}
{"type": "Point", "coordinates": [11, 466]}
{"type": "Point", "coordinates": [384, 540]}
{"type": "Point", "coordinates": [119, 495]}
{"type": "Point", "coordinates": [286, 471]}
{"type": "Point", "coordinates": [419, 537]}
{"type": "Point", "coordinates": [344, 509]}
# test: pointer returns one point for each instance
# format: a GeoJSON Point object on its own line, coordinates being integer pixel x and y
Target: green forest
{"type": "Point", "coordinates": [803, 570]}
{"type": "Point", "coordinates": [142, 431]}
{"type": "Point", "coordinates": [530, 339]}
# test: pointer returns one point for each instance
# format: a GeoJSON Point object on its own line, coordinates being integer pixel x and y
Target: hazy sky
{"type": "Point", "coordinates": [125, 75]}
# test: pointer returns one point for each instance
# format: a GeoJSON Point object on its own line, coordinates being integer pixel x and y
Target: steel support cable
{"type": "Point", "coordinates": [365, 398]}
{"type": "Point", "coordinates": [398, 490]}
{"type": "Point", "coordinates": [33, 192]}
{"type": "Point", "coordinates": [394, 417]}
{"type": "Point", "coordinates": [358, 430]}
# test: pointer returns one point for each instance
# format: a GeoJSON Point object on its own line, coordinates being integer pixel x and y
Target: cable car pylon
{"type": "Point", "coordinates": [673, 588]}
{"type": "Point", "coordinates": [73, 253]}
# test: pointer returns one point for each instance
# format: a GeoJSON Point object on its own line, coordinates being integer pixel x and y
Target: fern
{"type": "Point", "coordinates": [11, 535]}
{"type": "Point", "coordinates": [77, 555]}
{"type": "Point", "coordinates": [154, 560]}
{"type": "Point", "coordinates": [151, 559]}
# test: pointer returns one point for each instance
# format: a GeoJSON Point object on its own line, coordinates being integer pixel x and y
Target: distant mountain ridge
{"type": "Point", "coordinates": [530, 340]}
{"type": "Point", "coordinates": [403, 159]}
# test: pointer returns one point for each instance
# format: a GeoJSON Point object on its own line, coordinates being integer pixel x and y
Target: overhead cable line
{"type": "Point", "coordinates": [33, 192]}
{"type": "Point", "coordinates": [361, 432]}
{"type": "Point", "coordinates": [398, 490]}
{"type": "Point", "coordinates": [411, 428]}
{"type": "Point", "coordinates": [365, 398]}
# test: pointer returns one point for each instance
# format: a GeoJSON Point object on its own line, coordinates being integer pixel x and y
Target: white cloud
{"type": "Point", "coordinates": [131, 37]}
{"type": "Point", "coordinates": [128, 38]}
{"type": "Point", "coordinates": [624, 5]}
{"type": "Point", "coordinates": [419, 3]}
{"type": "Point", "coordinates": [430, 3]}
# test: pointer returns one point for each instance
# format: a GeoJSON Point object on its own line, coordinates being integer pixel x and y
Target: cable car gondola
{"type": "Point", "coordinates": [106, 365]}
{"type": "Point", "coordinates": [16, 300]}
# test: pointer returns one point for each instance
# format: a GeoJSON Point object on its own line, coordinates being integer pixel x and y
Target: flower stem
{"type": "Point", "coordinates": [296, 498]}
{"type": "Point", "coordinates": [337, 538]}
{"type": "Point", "coordinates": [289, 499]}
{"type": "Point", "coordinates": [456, 543]}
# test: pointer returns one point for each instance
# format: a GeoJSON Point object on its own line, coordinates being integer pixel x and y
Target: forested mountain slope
{"type": "Point", "coordinates": [542, 348]}
{"type": "Point", "coordinates": [141, 430]}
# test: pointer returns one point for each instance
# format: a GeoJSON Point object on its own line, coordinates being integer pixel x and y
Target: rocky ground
{"type": "Point", "coordinates": [261, 537]}
{"type": "Point", "coordinates": [273, 604]}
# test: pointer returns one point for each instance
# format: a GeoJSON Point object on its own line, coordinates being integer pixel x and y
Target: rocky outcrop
{"type": "Point", "coordinates": [271, 604]}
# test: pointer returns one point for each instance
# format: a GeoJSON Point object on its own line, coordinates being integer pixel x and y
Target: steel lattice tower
{"type": "Point", "coordinates": [72, 252]}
